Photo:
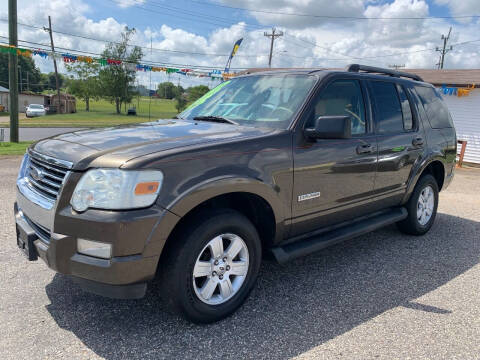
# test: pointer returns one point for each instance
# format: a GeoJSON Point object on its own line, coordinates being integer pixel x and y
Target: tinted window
{"type": "Point", "coordinates": [342, 97]}
{"type": "Point", "coordinates": [406, 109]}
{"type": "Point", "coordinates": [388, 111]}
{"type": "Point", "coordinates": [435, 108]}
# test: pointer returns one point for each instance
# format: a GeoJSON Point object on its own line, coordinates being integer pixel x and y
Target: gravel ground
{"type": "Point", "coordinates": [383, 295]}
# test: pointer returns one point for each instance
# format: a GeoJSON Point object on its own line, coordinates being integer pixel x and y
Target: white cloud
{"type": "Point", "coordinates": [335, 8]}
{"type": "Point", "coordinates": [128, 3]}
{"type": "Point", "coordinates": [337, 42]}
{"type": "Point", "coordinates": [461, 7]}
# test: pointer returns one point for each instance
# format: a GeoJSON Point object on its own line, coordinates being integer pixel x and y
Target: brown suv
{"type": "Point", "coordinates": [285, 162]}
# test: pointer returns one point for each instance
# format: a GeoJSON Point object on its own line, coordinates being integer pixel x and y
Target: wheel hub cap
{"type": "Point", "coordinates": [220, 269]}
{"type": "Point", "coordinates": [425, 205]}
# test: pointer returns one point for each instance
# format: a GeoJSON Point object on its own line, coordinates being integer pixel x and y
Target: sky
{"type": "Point", "coordinates": [201, 33]}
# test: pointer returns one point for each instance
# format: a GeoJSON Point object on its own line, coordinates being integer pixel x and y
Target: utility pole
{"type": "Point", "coordinates": [273, 36]}
{"type": "Point", "coordinates": [396, 66]}
{"type": "Point", "coordinates": [57, 82]}
{"type": "Point", "coordinates": [444, 50]}
{"type": "Point", "coordinates": [12, 70]}
{"type": "Point", "coordinates": [20, 78]}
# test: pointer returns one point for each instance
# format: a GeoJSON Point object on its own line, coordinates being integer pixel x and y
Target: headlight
{"type": "Point", "coordinates": [115, 189]}
{"type": "Point", "coordinates": [24, 167]}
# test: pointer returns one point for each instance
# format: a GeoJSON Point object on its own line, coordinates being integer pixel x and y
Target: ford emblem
{"type": "Point", "coordinates": [37, 174]}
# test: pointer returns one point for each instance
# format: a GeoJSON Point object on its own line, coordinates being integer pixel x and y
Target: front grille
{"type": "Point", "coordinates": [45, 178]}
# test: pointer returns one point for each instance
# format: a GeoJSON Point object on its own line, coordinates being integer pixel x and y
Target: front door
{"type": "Point", "coordinates": [333, 176]}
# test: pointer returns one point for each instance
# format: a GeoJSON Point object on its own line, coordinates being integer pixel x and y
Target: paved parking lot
{"type": "Point", "coordinates": [383, 295]}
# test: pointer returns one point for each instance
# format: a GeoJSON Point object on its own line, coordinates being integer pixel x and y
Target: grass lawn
{"type": "Point", "coordinates": [8, 148]}
{"type": "Point", "coordinates": [102, 113]}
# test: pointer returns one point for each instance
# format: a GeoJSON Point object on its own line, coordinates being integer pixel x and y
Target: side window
{"type": "Point", "coordinates": [437, 112]}
{"type": "Point", "coordinates": [406, 109]}
{"type": "Point", "coordinates": [342, 97]}
{"type": "Point", "coordinates": [387, 107]}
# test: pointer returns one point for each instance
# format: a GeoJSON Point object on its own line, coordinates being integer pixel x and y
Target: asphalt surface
{"type": "Point", "coordinates": [381, 296]}
{"type": "Point", "coordinates": [33, 134]}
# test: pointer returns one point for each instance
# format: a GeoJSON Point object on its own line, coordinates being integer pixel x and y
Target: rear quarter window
{"type": "Point", "coordinates": [437, 112]}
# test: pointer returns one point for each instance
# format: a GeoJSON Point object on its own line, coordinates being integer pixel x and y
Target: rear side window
{"type": "Point", "coordinates": [387, 107]}
{"type": "Point", "coordinates": [406, 109]}
{"type": "Point", "coordinates": [437, 111]}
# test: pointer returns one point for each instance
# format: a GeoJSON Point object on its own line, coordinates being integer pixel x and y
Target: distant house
{"type": "Point", "coordinates": [24, 99]}
{"type": "Point", "coordinates": [3, 99]}
{"type": "Point", "coordinates": [68, 103]}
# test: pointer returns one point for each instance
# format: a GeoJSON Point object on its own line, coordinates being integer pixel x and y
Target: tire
{"type": "Point", "coordinates": [414, 224]}
{"type": "Point", "coordinates": [185, 292]}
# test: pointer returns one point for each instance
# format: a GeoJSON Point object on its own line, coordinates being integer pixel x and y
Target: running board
{"type": "Point", "coordinates": [309, 245]}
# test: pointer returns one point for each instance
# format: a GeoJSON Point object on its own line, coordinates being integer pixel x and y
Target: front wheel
{"type": "Point", "coordinates": [421, 207]}
{"type": "Point", "coordinates": [211, 268]}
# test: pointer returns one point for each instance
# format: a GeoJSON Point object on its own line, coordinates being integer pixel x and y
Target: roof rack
{"type": "Point", "coordinates": [377, 70]}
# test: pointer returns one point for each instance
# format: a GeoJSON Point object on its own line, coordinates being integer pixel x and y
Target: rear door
{"type": "Point", "coordinates": [333, 177]}
{"type": "Point", "coordinates": [400, 138]}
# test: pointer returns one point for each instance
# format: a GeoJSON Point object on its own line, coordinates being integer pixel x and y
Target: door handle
{"type": "Point", "coordinates": [364, 149]}
{"type": "Point", "coordinates": [418, 141]}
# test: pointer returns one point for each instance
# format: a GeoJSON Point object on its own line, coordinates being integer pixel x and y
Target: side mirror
{"type": "Point", "coordinates": [330, 127]}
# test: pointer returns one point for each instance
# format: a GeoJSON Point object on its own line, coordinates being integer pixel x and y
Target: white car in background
{"type": "Point", "coordinates": [35, 110]}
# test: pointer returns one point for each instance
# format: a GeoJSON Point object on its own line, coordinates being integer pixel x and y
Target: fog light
{"type": "Point", "coordinates": [94, 248]}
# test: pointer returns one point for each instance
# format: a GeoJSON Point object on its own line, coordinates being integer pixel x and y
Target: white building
{"type": "Point", "coordinates": [465, 109]}
{"type": "Point", "coordinates": [23, 99]}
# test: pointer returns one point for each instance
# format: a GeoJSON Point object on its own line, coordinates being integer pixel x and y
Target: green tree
{"type": "Point", "coordinates": [85, 83]}
{"type": "Point", "coordinates": [197, 92]}
{"type": "Point", "coordinates": [30, 74]}
{"type": "Point", "coordinates": [167, 90]}
{"type": "Point", "coordinates": [115, 80]}
{"type": "Point", "coordinates": [181, 102]}
{"type": "Point", "coordinates": [48, 81]}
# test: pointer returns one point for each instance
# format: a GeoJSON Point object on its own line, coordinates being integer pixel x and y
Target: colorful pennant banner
{"type": "Point", "coordinates": [70, 58]}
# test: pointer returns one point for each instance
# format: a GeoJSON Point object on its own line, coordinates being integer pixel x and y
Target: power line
{"type": "Point", "coordinates": [221, 67]}
{"type": "Point", "coordinates": [133, 45]}
{"type": "Point", "coordinates": [333, 17]}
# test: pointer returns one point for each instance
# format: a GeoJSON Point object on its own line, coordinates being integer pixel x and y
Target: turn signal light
{"type": "Point", "coordinates": [147, 188]}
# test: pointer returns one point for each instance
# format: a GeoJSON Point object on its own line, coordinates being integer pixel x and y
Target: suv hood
{"type": "Point", "coordinates": [114, 146]}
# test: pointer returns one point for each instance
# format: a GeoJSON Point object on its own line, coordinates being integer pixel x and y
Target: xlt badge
{"type": "Point", "coordinates": [308, 196]}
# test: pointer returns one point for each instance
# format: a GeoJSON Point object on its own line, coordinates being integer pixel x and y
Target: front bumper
{"type": "Point", "coordinates": [126, 274]}
{"type": "Point", "coordinates": [34, 114]}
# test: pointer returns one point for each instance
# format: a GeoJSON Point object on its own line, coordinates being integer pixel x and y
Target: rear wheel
{"type": "Point", "coordinates": [211, 268]}
{"type": "Point", "coordinates": [421, 207]}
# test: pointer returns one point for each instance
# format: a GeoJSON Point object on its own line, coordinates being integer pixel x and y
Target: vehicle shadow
{"type": "Point", "coordinates": [293, 308]}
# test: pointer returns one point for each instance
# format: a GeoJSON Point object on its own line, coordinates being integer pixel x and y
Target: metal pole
{"type": "Point", "coordinates": [12, 70]}
{"type": "Point", "coordinates": [273, 36]}
{"type": "Point", "coordinates": [271, 48]}
{"type": "Point", "coordinates": [57, 82]}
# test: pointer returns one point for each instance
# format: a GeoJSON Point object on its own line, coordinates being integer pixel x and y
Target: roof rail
{"type": "Point", "coordinates": [377, 70]}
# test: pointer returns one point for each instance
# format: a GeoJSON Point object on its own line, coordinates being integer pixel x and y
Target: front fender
{"type": "Point", "coordinates": [211, 188]}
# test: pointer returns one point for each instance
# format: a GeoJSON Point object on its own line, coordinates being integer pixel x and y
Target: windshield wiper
{"type": "Point", "coordinates": [212, 118]}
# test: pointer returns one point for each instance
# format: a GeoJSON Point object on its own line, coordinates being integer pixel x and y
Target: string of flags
{"type": "Point", "coordinates": [452, 90]}
{"type": "Point", "coordinates": [71, 58]}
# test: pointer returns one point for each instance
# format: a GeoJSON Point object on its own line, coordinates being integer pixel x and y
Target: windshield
{"type": "Point", "coordinates": [35, 106]}
{"type": "Point", "coordinates": [263, 100]}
